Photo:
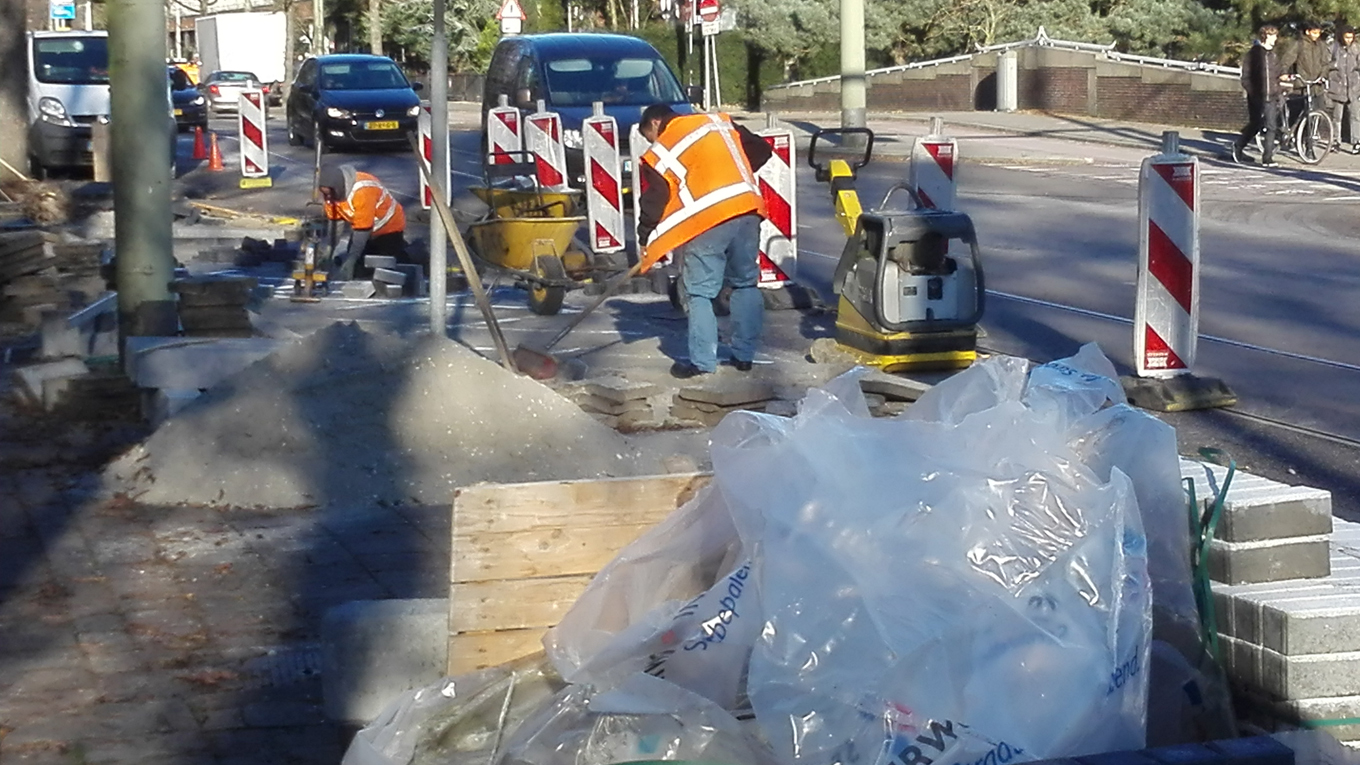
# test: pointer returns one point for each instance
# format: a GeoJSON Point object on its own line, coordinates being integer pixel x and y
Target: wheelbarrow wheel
{"type": "Point", "coordinates": [546, 299]}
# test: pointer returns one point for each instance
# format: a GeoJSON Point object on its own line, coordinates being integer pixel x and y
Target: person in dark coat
{"type": "Point", "coordinates": [1261, 80]}
{"type": "Point", "coordinates": [1343, 87]}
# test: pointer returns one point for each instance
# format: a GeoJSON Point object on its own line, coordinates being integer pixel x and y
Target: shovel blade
{"type": "Point", "coordinates": [534, 363]}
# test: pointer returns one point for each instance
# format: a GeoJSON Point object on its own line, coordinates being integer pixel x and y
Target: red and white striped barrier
{"type": "Point", "coordinates": [604, 182]}
{"type": "Point", "coordinates": [931, 174]}
{"type": "Point", "coordinates": [637, 146]}
{"type": "Point", "coordinates": [543, 139]}
{"type": "Point", "coordinates": [502, 133]}
{"type": "Point", "coordinates": [1166, 314]}
{"type": "Point", "coordinates": [250, 126]}
{"type": "Point", "coordinates": [425, 125]}
{"type": "Point", "coordinates": [779, 232]}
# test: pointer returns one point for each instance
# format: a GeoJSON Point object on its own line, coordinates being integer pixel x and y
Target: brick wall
{"type": "Point", "coordinates": [1131, 98]}
{"type": "Point", "coordinates": [1054, 89]}
{"type": "Point", "coordinates": [948, 92]}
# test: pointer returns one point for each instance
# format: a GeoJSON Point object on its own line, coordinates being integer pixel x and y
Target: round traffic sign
{"type": "Point", "coordinates": [708, 10]}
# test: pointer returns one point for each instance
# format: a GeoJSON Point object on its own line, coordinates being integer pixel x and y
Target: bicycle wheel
{"type": "Point", "coordinates": [1313, 141]}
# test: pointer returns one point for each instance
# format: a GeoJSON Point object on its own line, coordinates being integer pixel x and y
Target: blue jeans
{"type": "Point", "coordinates": [725, 253]}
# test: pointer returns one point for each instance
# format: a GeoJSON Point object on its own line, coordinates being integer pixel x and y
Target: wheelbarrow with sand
{"type": "Point", "coordinates": [527, 232]}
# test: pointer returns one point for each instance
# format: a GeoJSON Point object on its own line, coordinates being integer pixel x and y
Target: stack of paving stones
{"type": "Point", "coordinates": [393, 280]}
{"type": "Point", "coordinates": [714, 399]}
{"type": "Point", "coordinates": [41, 272]}
{"type": "Point", "coordinates": [214, 305]}
{"type": "Point", "coordinates": [1287, 603]}
{"type": "Point", "coordinates": [623, 405]}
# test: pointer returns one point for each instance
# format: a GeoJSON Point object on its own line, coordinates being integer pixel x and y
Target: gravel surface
{"type": "Point", "coordinates": [348, 417]}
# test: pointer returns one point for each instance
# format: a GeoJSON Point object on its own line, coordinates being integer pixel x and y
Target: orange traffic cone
{"type": "Point", "coordinates": [215, 155]}
{"type": "Point", "coordinates": [200, 148]}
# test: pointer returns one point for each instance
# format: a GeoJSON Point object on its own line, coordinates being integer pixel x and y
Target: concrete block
{"type": "Point", "coordinates": [1273, 512]}
{"type": "Point", "coordinates": [415, 278]}
{"type": "Point", "coordinates": [619, 390]}
{"type": "Point", "coordinates": [1270, 560]}
{"type": "Point", "coordinates": [389, 291]}
{"type": "Point", "coordinates": [373, 650]}
{"type": "Point", "coordinates": [1254, 750]}
{"type": "Point", "coordinates": [893, 387]}
{"type": "Point", "coordinates": [389, 276]}
{"type": "Point", "coordinates": [1306, 625]}
{"type": "Point", "coordinates": [728, 392]}
{"type": "Point", "coordinates": [603, 405]}
{"type": "Point", "coordinates": [1305, 677]}
{"type": "Point", "coordinates": [357, 290]}
{"type": "Point", "coordinates": [31, 381]}
{"type": "Point", "coordinates": [379, 261]}
{"type": "Point", "coordinates": [182, 364]}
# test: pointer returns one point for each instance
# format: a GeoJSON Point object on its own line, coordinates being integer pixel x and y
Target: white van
{"type": "Point", "coordinates": [68, 91]}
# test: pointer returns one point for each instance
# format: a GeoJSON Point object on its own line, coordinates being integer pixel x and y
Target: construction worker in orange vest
{"type": "Point", "coordinates": [377, 222]}
{"type": "Point", "coordinates": [699, 199]}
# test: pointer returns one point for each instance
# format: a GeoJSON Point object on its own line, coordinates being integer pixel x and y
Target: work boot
{"type": "Point", "coordinates": [684, 371]}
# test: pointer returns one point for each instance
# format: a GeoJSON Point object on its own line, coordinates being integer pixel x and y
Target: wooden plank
{"type": "Point", "coordinates": [469, 652]}
{"type": "Point", "coordinates": [588, 503]}
{"type": "Point", "coordinates": [513, 604]}
{"type": "Point", "coordinates": [551, 551]}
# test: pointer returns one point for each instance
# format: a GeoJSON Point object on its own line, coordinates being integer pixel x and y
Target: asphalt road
{"type": "Point", "coordinates": [1057, 222]}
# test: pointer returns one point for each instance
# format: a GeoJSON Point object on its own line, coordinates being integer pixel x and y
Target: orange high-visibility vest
{"type": "Point", "coordinates": [710, 180]}
{"type": "Point", "coordinates": [369, 206]}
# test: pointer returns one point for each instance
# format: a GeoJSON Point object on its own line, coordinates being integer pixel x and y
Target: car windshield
{"type": "Point", "coordinates": [362, 75]}
{"type": "Point", "coordinates": [630, 81]}
{"type": "Point", "coordinates": [179, 80]}
{"type": "Point", "coordinates": [72, 60]}
{"type": "Point", "coordinates": [230, 77]}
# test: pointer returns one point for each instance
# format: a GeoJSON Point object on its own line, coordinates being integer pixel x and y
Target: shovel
{"type": "Point", "coordinates": [538, 363]}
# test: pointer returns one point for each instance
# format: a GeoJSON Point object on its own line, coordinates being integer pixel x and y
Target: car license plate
{"type": "Point", "coordinates": [384, 125]}
{"type": "Point", "coordinates": [179, 112]}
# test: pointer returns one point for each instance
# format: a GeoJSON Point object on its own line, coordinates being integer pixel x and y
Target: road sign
{"type": "Point", "coordinates": [510, 9]}
{"type": "Point", "coordinates": [709, 10]}
{"type": "Point", "coordinates": [62, 10]}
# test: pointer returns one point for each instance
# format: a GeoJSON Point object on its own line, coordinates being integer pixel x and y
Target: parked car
{"type": "Point", "coordinates": [223, 89]}
{"type": "Point", "coordinates": [68, 93]}
{"type": "Point", "coordinates": [190, 106]}
{"type": "Point", "coordinates": [352, 99]}
{"type": "Point", "coordinates": [569, 72]}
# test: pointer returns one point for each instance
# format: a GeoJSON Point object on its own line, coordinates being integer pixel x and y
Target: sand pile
{"type": "Point", "coordinates": [349, 417]}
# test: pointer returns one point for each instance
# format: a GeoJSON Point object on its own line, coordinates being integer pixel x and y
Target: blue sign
{"type": "Point", "coordinates": [63, 10]}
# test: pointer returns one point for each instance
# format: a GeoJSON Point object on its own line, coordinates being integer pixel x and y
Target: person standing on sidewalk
{"type": "Point", "coordinates": [701, 201]}
{"type": "Point", "coordinates": [1308, 58]}
{"type": "Point", "coordinates": [1261, 80]}
{"type": "Point", "coordinates": [1343, 87]}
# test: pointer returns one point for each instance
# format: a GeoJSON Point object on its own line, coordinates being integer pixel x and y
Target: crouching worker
{"type": "Point", "coordinates": [377, 222]}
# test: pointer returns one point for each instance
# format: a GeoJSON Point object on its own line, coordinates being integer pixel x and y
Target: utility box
{"type": "Point", "coordinates": [243, 42]}
{"type": "Point", "coordinates": [1007, 82]}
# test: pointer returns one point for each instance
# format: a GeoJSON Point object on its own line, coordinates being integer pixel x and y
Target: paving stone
{"type": "Point", "coordinates": [591, 402]}
{"type": "Point", "coordinates": [389, 276]}
{"type": "Point", "coordinates": [379, 261]}
{"type": "Point", "coordinates": [31, 380]}
{"type": "Point", "coordinates": [620, 390]}
{"type": "Point", "coordinates": [1270, 560]}
{"type": "Point", "coordinates": [892, 386]}
{"type": "Point", "coordinates": [1274, 512]}
{"type": "Point", "coordinates": [728, 391]}
{"type": "Point", "coordinates": [1296, 677]}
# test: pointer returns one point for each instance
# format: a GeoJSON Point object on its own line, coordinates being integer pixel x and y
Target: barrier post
{"type": "Point", "coordinates": [778, 232]}
{"type": "Point", "coordinates": [250, 123]}
{"type": "Point", "coordinates": [543, 138]}
{"type": "Point", "coordinates": [931, 173]}
{"type": "Point", "coordinates": [1166, 311]}
{"type": "Point", "coordinates": [604, 181]}
{"type": "Point", "coordinates": [425, 126]}
{"type": "Point", "coordinates": [503, 132]}
{"type": "Point", "coordinates": [637, 146]}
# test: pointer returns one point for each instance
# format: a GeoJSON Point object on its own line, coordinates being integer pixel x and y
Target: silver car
{"type": "Point", "coordinates": [223, 89]}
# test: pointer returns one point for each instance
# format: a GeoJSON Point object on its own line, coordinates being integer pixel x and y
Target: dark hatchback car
{"type": "Point", "coordinates": [352, 100]}
{"type": "Point", "coordinates": [570, 72]}
{"type": "Point", "coordinates": [190, 107]}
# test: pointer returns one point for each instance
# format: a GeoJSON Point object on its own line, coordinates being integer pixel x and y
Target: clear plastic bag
{"type": "Point", "coordinates": [951, 585]}
{"type": "Point", "coordinates": [642, 718]}
{"type": "Point", "coordinates": [674, 603]}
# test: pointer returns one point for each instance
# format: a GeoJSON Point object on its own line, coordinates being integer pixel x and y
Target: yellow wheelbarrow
{"type": "Point", "coordinates": [528, 235]}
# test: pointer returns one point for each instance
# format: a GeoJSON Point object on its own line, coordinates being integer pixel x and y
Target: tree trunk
{"type": "Point", "coordinates": [289, 53]}
{"type": "Point", "coordinates": [375, 27]}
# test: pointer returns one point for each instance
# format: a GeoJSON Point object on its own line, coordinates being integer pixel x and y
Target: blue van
{"type": "Point", "coordinates": [569, 72]}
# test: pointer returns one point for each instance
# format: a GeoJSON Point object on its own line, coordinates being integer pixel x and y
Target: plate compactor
{"type": "Point", "coordinates": [910, 300]}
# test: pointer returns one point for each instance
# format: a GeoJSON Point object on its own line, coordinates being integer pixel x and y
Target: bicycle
{"type": "Point", "coordinates": [1310, 134]}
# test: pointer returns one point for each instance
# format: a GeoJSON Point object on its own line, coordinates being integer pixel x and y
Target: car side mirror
{"type": "Point", "coordinates": [695, 93]}
{"type": "Point", "coordinates": [417, 86]}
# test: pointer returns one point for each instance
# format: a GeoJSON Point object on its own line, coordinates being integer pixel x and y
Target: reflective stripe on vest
{"type": "Point", "coordinates": [690, 211]}
{"type": "Point", "coordinates": [383, 198]}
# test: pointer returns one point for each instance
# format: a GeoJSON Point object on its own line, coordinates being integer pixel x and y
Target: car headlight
{"type": "Point", "coordinates": [339, 114]}
{"type": "Point", "coordinates": [572, 139]}
{"type": "Point", "coordinates": [199, 101]}
{"type": "Point", "coordinates": [53, 111]}
{"type": "Point", "coordinates": [414, 111]}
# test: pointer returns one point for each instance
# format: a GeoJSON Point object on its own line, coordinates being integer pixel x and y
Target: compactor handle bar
{"type": "Point", "coordinates": [824, 171]}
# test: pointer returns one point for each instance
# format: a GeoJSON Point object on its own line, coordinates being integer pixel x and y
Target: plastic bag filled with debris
{"type": "Point", "coordinates": [640, 719]}
{"type": "Point", "coordinates": [954, 585]}
{"type": "Point", "coordinates": [674, 603]}
{"type": "Point", "coordinates": [458, 719]}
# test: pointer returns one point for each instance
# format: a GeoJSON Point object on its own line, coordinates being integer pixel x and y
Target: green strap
{"type": "Point", "coordinates": [1202, 527]}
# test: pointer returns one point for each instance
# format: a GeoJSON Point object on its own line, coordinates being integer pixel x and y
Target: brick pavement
{"type": "Point", "coordinates": [133, 633]}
